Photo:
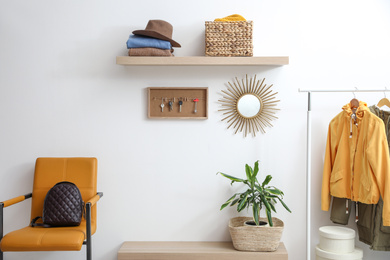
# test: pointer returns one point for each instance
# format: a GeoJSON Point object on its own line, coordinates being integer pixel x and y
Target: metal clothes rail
{"type": "Point", "coordinates": [308, 154]}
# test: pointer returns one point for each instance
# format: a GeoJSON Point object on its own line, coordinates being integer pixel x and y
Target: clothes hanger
{"type": "Point", "coordinates": [384, 101]}
{"type": "Point", "coordinates": [354, 103]}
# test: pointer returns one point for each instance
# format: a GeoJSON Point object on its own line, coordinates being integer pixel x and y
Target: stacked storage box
{"type": "Point", "coordinates": [337, 243]}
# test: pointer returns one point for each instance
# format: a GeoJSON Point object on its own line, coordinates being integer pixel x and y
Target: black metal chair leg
{"type": "Point", "coordinates": [88, 218]}
{"type": "Point", "coordinates": [1, 226]}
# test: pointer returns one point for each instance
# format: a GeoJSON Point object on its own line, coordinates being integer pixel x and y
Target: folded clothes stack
{"type": "Point", "coordinates": [155, 40]}
{"type": "Point", "coordinates": [147, 46]}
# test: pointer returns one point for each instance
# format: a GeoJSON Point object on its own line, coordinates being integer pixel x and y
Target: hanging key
{"type": "Point", "coordinates": [170, 105]}
{"type": "Point", "coordinates": [162, 105]}
{"type": "Point", "coordinates": [180, 104]}
{"type": "Point", "coordinates": [196, 103]}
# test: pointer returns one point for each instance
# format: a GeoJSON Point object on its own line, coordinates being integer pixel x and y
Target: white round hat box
{"type": "Point", "coordinates": [336, 239]}
{"type": "Point", "coordinates": [356, 254]}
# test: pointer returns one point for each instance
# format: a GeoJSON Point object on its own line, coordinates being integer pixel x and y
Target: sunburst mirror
{"type": "Point", "coordinates": [248, 105]}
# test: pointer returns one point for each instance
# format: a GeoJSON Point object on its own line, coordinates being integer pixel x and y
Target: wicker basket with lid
{"type": "Point", "coordinates": [233, 38]}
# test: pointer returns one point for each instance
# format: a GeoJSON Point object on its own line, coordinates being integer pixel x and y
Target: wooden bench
{"type": "Point", "coordinates": [193, 251]}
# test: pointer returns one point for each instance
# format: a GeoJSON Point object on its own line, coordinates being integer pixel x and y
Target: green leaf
{"type": "Point", "coordinates": [242, 203]}
{"type": "Point", "coordinates": [259, 189]}
{"type": "Point", "coordinates": [228, 201]}
{"type": "Point", "coordinates": [249, 172]}
{"type": "Point", "coordinates": [246, 193]}
{"type": "Point", "coordinates": [243, 206]}
{"type": "Point", "coordinates": [266, 180]}
{"type": "Point", "coordinates": [271, 196]}
{"type": "Point", "coordinates": [234, 202]}
{"type": "Point", "coordinates": [284, 205]}
{"type": "Point", "coordinates": [224, 205]}
{"type": "Point", "coordinates": [274, 188]}
{"type": "Point", "coordinates": [256, 169]}
{"type": "Point", "coordinates": [266, 203]}
{"type": "Point", "coordinates": [269, 217]}
{"type": "Point", "coordinates": [256, 210]}
{"type": "Point", "coordinates": [275, 191]}
{"type": "Point", "coordinates": [234, 179]}
{"type": "Point", "coordinates": [273, 207]}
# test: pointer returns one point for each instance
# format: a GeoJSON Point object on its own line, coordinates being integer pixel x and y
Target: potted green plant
{"type": "Point", "coordinates": [256, 196]}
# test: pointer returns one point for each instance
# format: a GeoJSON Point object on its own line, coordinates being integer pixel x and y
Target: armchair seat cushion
{"type": "Point", "coordinates": [45, 239]}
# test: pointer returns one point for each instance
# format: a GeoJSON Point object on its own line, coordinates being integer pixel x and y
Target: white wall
{"type": "Point", "coordinates": [63, 95]}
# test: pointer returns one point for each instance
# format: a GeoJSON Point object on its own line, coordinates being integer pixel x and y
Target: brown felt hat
{"type": "Point", "coordinates": [159, 29]}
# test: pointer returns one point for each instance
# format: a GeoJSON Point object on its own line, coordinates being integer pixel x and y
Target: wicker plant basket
{"type": "Point", "coordinates": [229, 38]}
{"type": "Point", "coordinates": [252, 238]}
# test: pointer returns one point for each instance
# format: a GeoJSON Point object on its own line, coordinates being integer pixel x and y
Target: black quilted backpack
{"type": "Point", "coordinates": [63, 206]}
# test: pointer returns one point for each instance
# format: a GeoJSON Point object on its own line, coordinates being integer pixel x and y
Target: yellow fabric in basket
{"type": "Point", "coordinates": [231, 18]}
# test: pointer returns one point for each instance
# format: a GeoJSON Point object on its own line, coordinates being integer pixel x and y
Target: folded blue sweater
{"type": "Point", "coordinates": [136, 41]}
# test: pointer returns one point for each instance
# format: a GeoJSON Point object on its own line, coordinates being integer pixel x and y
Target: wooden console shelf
{"type": "Point", "coordinates": [201, 61]}
{"type": "Point", "coordinates": [193, 251]}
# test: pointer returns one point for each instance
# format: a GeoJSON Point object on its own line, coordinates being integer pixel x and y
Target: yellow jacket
{"type": "Point", "coordinates": [357, 164]}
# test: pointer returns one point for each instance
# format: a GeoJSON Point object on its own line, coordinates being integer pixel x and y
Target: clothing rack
{"type": "Point", "coordinates": [308, 154]}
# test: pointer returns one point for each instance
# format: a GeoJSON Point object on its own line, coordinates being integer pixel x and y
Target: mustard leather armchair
{"type": "Point", "coordinates": [48, 172]}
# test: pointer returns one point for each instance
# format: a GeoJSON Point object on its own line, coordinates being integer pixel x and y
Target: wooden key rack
{"type": "Point", "coordinates": [178, 102]}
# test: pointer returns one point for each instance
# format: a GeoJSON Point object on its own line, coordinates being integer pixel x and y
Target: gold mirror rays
{"type": "Point", "coordinates": [235, 114]}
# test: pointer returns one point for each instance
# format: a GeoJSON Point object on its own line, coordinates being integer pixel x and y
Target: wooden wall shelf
{"type": "Point", "coordinates": [193, 251]}
{"type": "Point", "coordinates": [201, 61]}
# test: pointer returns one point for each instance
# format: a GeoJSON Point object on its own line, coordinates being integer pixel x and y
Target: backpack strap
{"type": "Point", "coordinates": [34, 224]}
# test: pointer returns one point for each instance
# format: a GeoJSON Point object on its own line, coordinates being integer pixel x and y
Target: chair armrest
{"type": "Point", "coordinates": [15, 200]}
{"type": "Point", "coordinates": [95, 198]}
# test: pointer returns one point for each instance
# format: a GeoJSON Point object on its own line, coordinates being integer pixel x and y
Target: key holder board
{"type": "Point", "coordinates": [178, 102]}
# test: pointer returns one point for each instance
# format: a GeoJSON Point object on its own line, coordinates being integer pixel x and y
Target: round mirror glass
{"type": "Point", "coordinates": [248, 105]}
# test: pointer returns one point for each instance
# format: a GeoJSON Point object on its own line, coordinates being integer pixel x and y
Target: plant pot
{"type": "Point", "coordinates": [255, 238]}
{"type": "Point", "coordinates": [252, 223]}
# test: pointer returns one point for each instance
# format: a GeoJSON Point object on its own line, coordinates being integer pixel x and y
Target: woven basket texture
{"type": "Point", "coordinates": [252, 238]}
{"type": "Point", "coordinates": [229, 38]}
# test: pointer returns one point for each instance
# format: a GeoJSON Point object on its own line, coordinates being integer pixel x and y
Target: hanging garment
{"type": "Point", "coordinates": [368, 222]}
{"type": "Point", "coordinates": [385, 116]}
{"type": "Point", "coordinates": [357, 163]}
{"type": "Point", "coordinates": [341, 210]}
{"type": "Point", "coordinates": [370, 227]}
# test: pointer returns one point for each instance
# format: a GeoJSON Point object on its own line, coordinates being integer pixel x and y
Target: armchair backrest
{"type": "Point", "coordinates": [49, 171]}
